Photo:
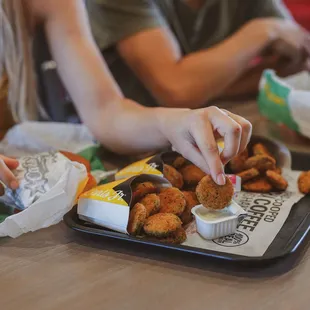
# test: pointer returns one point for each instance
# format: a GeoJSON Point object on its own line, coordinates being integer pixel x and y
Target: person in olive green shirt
{"type": "Point", "coordinates": [186, 53]}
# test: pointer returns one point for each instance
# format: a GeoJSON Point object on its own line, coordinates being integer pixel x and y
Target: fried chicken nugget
{"type": "Point", "coordinates": [173, 176]}
{"type": "Point", "coordinates": [137, 219]}
{"type": "Point", "coordinates": [276, 180]}
{"type": "Point", "coordinates": [304, 182]}
{"type": "Point", "coordinates": [248, 174]}
{"type": "Point", "coordinates": [261, 163]}
{"type": "Point", "coordinates": [177, 237]}
{"type": "Point", "coordinates": [237, 163]}
{"type": "Point", "coordinates": [162, 224]}
{"type": "Point", "coordinates": [191, 202]}
{"type": "Point", "coordinates": [260, 185]}
{"type": "Point", "coordinates": [142, 189]}
{"type": "Point", "coordinates": [172, 200]}
{"type": "Point", "coordinates": [278, 170]}
{"type": "Point", "coordinates": [151, 203]}
{"type": "Point", "coordinates": [214, 196]}
{"type": "Point", "coordinates": [179, 162]}
{"type": "Point", "coordinates": [260, 149]}
{"type": "Point", "coordinates": [192, 174]}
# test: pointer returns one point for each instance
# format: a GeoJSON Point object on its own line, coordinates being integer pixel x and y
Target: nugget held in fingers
{"type": "Point", "coordinates": [151, 203]}
{"type": "Point", "coordinates": [177, 237]}
{"type": "Point", "coordinates": [191, 202]}
{"type": "Point", "coordinates": [260, 185]}
{"type": "Point", "coordinates": [192, 175]}
{"type": "Point", "coordinates": [237, 163]}
{"type": "Point", "coordinates": [143, 189]}
{"type": "Point", "coordinates": [173, 176]}
{"type": "Point", "coordinates": [304, 182]}
{"type": "Point", "coordinates": [248, 174]}
{"type": "Point", "coordinates": [162, 224]}
{"type": "Point", "coordinates": [276, 180]}
{"type": "Point", "coordinates": [260, 149]}
{"type": "Point", "coordinates": [172, 200]}
{"type": "Point", "coordinates": [137, 219]}
{"type": "Point", "coordinates": [261, 163]}
{"type": "Point", "coordinates": [179, 162]}
{"type": "Point", "coordinates": [214, 196]}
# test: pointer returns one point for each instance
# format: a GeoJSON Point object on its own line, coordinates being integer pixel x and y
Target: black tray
{"type": "Point", "coordinates": [291, 237]}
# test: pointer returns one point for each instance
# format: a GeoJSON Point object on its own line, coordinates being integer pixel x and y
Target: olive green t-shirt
{"type": "Point", "coordinates": [115, 20]}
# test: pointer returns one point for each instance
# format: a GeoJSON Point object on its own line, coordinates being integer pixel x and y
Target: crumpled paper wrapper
{"type": "Point", "coordinates": [49, 186]}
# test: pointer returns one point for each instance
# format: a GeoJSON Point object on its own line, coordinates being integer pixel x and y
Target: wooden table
{"type": "Point", "coordinates": [56, 268]}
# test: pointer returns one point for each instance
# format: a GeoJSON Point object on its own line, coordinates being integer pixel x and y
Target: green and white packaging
{"type": "Point", "coordinates": [286, 100]}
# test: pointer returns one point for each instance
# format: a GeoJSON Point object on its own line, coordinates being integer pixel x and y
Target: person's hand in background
{"type": "Point", "coordinates": [6, 176]}
{"type": "Point", "coordinates": [289, 44]}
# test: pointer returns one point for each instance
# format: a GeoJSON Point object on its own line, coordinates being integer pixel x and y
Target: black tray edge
{"type": "Point", "coordinates": [291, 249]}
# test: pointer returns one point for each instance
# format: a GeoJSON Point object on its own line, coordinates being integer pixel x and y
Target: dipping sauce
{"type": "Point", "coordinates": [209, 215]}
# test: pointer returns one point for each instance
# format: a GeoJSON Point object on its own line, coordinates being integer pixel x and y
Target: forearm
{"type": "Point", "coordinates": [204, 75]}
{"type": "Point", "coordinates": [121, 125]}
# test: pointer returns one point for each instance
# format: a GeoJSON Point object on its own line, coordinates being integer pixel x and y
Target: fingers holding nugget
{"type": "Point", "coordinates": [214, 196]}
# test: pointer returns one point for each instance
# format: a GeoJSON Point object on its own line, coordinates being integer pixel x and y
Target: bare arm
{"type": "Point", "coordinates": [190, 81]}
{"type": "Point", "coordinates": [98, 99]}
{"type": "Point", "coordinates": [121, 124]}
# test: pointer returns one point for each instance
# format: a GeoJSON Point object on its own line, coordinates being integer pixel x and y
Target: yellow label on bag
{"type": "Point", "coordinates": [139, 167]}
{"type": "Point", "coordinates": [107, 193]}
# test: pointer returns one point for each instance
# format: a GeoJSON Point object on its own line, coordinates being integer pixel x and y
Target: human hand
{"type": "Point", "coordinates": [6, 176]}
{"type": "Point", "coordinates": [193, 133]}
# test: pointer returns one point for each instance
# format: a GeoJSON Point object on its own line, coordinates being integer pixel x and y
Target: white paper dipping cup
{"type": "Point", "coordinates": [214, 224]}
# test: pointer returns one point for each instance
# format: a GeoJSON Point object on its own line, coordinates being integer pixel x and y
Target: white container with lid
{"type": "Point", "coordinates": [213, 224]}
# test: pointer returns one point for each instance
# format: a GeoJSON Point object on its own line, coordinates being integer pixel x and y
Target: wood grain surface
{"type": "Point", "coordinates": [56, 268]}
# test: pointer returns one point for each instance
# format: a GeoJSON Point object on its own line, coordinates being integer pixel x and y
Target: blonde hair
{"type": "Point", "coordinates": [16, 60]}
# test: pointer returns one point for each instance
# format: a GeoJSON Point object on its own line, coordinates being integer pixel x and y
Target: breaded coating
{"type": "Point", "coordinates": [260, 185]}
{"type": "Point", "coordinates": [261, 163]}
{"type": "Point", "coordinates": [214, 196]}
{"type": "Point", "coordinates": [249, 174]}
{"type": "Point", "coordinates": [276, 180]}
{"type": "Point", "coordinates": [173, 201]}
{"type": "Point", "coordinates": [304, 182]}
{"type": "Point", "coordinates": [237, 163]}
{"type": "Point", "coordinates": [260, 149]}
{"type": "Point", "coordinates": [191, 202]}
{"type": "Point", "coordinates": [162, 224]}
{"type": "Point", "coordinates": [278, 170]}
{"type": "Point", "coordinates": [192, 174]}
{"type": "Point", "coordinates": [177, 237]}
{"type": "Point", "coordinates": [179, 162]}
{"type": "Point", "coordinates": [173, 176]}
{"type": "Point", "coordinates": [137, 219]}
{"type": "Point", "coordinates": [142, 189]}
{"type": "Point", "coordinates": [151, 203]}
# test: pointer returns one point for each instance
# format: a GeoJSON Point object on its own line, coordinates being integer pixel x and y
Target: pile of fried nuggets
{"type": "Point", "coordinates": [161, 213]}
{"type": "Point", "coordinates": [258, 170]}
